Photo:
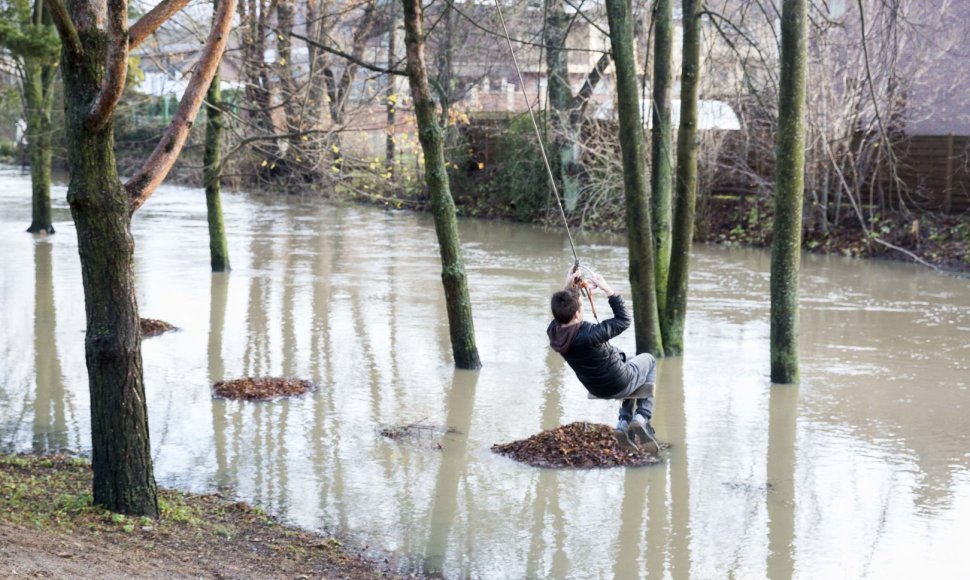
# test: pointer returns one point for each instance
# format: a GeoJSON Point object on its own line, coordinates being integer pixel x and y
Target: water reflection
{"type": "Point", "coordinates": [460, 403]}
{"type": "Point", "coordinates": [51, 402]}
{"type": "Point", "coordinates": [780, 497]}
{"type": "Point", "coordinates": [861, 470]}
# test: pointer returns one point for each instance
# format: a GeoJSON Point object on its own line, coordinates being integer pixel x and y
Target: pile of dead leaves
{"type": "Point", "coordinates": [152, 327]}
{"type": "Point", "coordinates": [261, 388]}
{"type": "Point", "coordinates": [581, 445]}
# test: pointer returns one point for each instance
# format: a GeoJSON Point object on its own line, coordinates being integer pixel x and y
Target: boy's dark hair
{"type": "Point", "coordinates": [565, 304]}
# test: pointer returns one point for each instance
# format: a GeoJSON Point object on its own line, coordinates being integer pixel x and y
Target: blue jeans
{"type": "Point", "coordinates": [644, 368]}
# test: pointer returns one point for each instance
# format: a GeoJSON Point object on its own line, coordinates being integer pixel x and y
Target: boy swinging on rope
{"type": "Point", "coordinates": [604, 370]}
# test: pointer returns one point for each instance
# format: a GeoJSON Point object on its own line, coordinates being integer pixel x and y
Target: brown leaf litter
{"type": "Point", "coordinates": [152, 327]}
{"type": "Point", "coordinates": [261, 388]}
{"type": "Point", "coordinates": [577, 445]}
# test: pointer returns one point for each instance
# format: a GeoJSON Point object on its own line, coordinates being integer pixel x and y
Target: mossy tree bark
{"type": "Point", "coordinates": [38, 99]}
{"type": "Point", "coordinates": [789, 188]}
{"type": "Point", "coordinates": [675, 309]}
{"type": "Point", "coordinates": [635, 182]}
{"type": "Point", "coordinates": [660, 145]}
{"type": "Point", "coordinates": [121, 453]}
{"type": "Point", "coordinates": [212, 159]}
{"type": "Point", "coordinates": [27, 34]}
{"type": "Point", "coordinates": [96, 40]}
{"type": "Point", "coordinates": [431, 137]}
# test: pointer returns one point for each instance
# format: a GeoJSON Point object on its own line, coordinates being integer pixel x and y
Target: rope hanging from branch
{"type": "Point", "coordinates": [545, 158]}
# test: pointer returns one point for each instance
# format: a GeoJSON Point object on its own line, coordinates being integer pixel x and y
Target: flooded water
{"type": "Point", "coordinates": [861, 471]}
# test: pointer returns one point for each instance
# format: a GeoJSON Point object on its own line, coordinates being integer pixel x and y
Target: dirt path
{"type": "Point", "coordinates": [49, 529]}
{"type": "Point", "coordinates": [26, 552]}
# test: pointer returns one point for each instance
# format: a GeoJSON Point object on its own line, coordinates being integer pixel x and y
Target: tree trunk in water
{"type": "Point", "coordinates": [212, 158]}
{"type": "Point", "coordinates": [564, 154]}
{"type": "Point", "coordinates": [37, 81]}
{"type": "Point", "coordinates": [442, 205]}
{"type": "Point", "coordinates": [675, 310]}
{"type": "Point", "coordinates": [120, 449]}
{"type": "Point", "coordinates": [789, 187]}
{"type": "Point", "coordinates": [660, 154]}
{"type": "Point", "coordinates": [635, 182]}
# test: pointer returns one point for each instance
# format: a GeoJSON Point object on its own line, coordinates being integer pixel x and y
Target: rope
{"type": "Point", "coordinates": [535, 125]}
{"type": "Point", "coordinates": [545, 158]}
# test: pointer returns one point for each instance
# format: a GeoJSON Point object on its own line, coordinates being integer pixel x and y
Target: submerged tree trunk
{"type": "Point", "coordinates": [635, 181]}
{"type": "Point", "coordinates": [212, 159]}
{"type": "Point", "coordinates": [120, 452]}
{"type": "Point", "coordinates": [442, 205]}
{"type": "Point", "coordinates": [675, 310]}
{"type": "Point", "coordinates": [38, 81]}
{"type": "Point", "coordinates": [789, 187]}
{"type": "Point", "coordinates": [660, 154]}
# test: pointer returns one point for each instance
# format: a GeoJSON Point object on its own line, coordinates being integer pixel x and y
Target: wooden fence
{"type": "Point", "coordinates": [934, 171]}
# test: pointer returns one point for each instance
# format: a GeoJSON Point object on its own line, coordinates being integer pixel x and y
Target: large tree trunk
{"type": "Point", "coordinates": [635, 184]}
{"type": "Point", "coordinates": [38, 79]}
{"type": "Point", "coordinates": [675, 310]}
{"type": "Point", "coordinates": [121, 454]}
{"type": "Point", "coordinates": [660, 154]}
{"type": "Point", "coordinates": [212, 159]}
{"type": "Point", "coordinates": [442, 205]}
{"type": "Point", "coordinates": [94, 59]}
{"type": "Point", "coordinates": [789, 186]}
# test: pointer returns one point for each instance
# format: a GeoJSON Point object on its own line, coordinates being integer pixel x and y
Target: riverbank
{"type": "Point", "coordinates": [933, 239]}
{"type": "Point", "coordinates": [48, 527]}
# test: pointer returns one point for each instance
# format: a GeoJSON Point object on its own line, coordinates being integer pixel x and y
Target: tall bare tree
{"type": "Point", "coordinates": [430, 134]}
{"type": "Point", "coordinates": [211, 174]}
{"type": "Point", "coordinates": [675, 310]}
{"type": "Point", "coordinates": [661, 174]}
{"type": "Point", "coordinates": [96, 41]}
{"type": "Point", "coordinates": [635, 181]}
{"type": "Point", "coordinates": [27, 33]}
{"type": "Point", "coordinates": [789, 189]}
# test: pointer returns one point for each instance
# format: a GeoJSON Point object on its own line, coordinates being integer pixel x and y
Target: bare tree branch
{"type": "Point", "coordinates": [592, 79]}
{"type": "Point", "coordinates": [116, 69]}
{"type": "Point", "coordinates": [65, 27]}
{"type": "Point", "coordinates": [144, 183]}
{"type": "Point", "coordinates": [883, 133]}
{"type": "Point", "coordinates": [152, 20]}
{"type": "Point", "coordinates": [359, 62]}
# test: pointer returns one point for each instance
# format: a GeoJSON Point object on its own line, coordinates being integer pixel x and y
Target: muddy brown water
{"type": "Point", "coordinates": [862, 470]}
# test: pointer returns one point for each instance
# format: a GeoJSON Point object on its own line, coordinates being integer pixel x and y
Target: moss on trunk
{"type": "Point", "coordinates": [635, 183]}
{"type": "Point", "coordinates": [789, 188]}
{"type": "Point", "coordinates": [461, 326]}
{"type": "Point", "coordinates": [661, 154]}
{"type": "Point", "coordinates": [38, 79]}
{"type": "Point", "coordinates": [675, 310]}
{"type": "Point", "coordinates": [121, 453]}
{"type": "Point", "coordinates": [212, 159]}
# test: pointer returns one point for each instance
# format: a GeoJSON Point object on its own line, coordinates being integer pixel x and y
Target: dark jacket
{"type": "Point", "coordinates": [599, 365]}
